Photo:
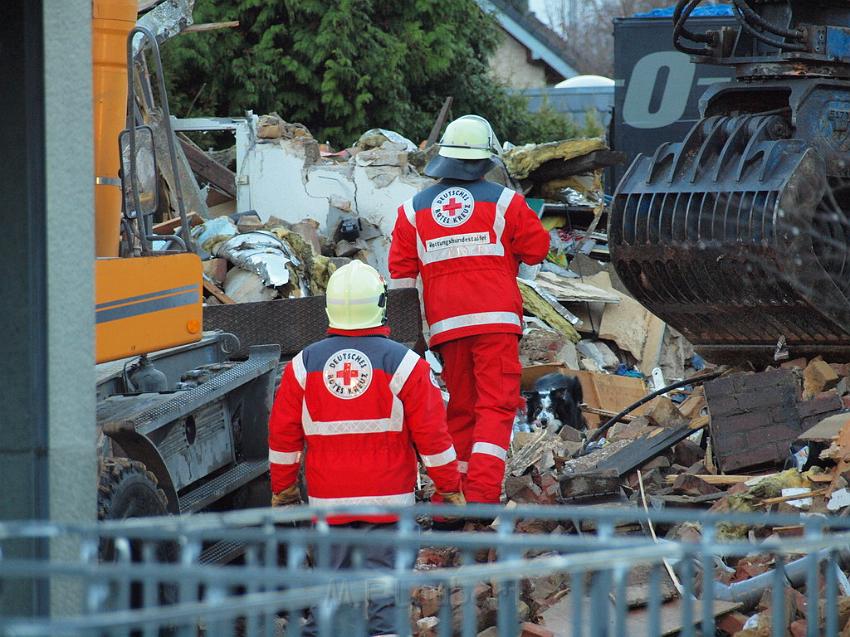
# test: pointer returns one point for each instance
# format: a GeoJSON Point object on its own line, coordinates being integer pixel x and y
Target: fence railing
{"type": "Point", "coordinates": [153, 576]}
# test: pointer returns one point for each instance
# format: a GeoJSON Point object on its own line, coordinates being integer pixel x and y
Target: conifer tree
{"type": "Point", "coordinates": [342, 66]}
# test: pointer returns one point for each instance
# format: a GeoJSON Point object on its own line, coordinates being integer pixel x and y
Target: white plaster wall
{"type": "Point", "coordinates": [285, 184]}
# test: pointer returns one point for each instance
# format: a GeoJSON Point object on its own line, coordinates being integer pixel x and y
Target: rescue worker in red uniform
{"type": "Point", "coordinates": [466, 237]}
{"type": "Point", "coordinates": [359, 407]}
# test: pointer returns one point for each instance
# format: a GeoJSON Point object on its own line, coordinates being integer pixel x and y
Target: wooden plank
{"type": "Point", "coordinates": [604, 412]}
{"type": "Point", "coordinates": [693, 404]}
{"type": "Point", "coordinates": [560, 620]}
{"type": "Point", "coordinates": [588, 162]}
{"type": "Point", "coordinates": [722, 480]}
{"type": "Point", "coordinates": [655, 329]}
{"type": "Point", "coordinates": [170, 225]}
{"type": "Point", "coordinates": [209, 169]}
{"type": "Point", "coordinates": [642, 450]}
{"type": "Point", "coordinates": [638, 621]}
{"type": "Point", "coordinates": [611, 393]}
{"type": "Point", "coordinates": [211, 26]}
{"type": "Point", "coordinates": [439, 122]}
{"type": "Point", "coordinates": [531, 373]}
{"type": "Point", "coordinates": [213, 289]}
{"type": "Point", "coordinates": [819, 477]}
{"type": "Point", "coordinates": [827, 429]}
{"type": "Point", "coordinates": [798, 496]}
{"type": "Point", "coordinates": [192, 200]}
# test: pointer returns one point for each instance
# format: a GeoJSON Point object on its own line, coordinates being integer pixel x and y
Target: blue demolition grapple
{"type": "Point", "coordinates": [738, 236]}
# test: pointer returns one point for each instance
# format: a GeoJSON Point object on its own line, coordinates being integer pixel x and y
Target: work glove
{"type": "Point", "coordinates": [450, 522]}
{"type": "Point", "coordinates": [455, 498]}
{"type": "Point", "coordinates": [288, 497]}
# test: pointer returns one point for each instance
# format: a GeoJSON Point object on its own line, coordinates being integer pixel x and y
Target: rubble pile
{"type": "Point", "coordinates": [351, 195]}
{"type": "Point", "coordinates": [247, 260]}
{"type": "Point", "coordinates": [776, 440]}
{"type": "Point", "coordinates": [620, 410]}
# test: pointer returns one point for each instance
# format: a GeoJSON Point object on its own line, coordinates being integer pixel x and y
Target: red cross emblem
{"type": "Point", "coordinates": [347, 374]}
{"type": "Point", "coordinates": [453, 206]}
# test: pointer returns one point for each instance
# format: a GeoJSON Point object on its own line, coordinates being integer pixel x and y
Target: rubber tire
{"type": "Point", "coordinates": [126, 489]}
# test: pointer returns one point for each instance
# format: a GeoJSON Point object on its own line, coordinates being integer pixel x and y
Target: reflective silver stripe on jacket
{"type": "Point", "coordinates": [440, 459]}
{"type": "Point", "coordinates": [403, 372]}
{"type": "Point", "coordinates": [341, 427]}
{"type": "Point", "coordinates": [409, 212]}
{"type": "Point", "coordinates": [472, 320]}
{"type": "Point", "coordinates": [490, 449]}
{"type": "Point", "coordinates": [284, 457]}
{"type": "Point", "coordinates": [402, 499]}
{"type": "Point", "coordinates": [400, 284]}
{"type": "Point", "coordinates": [495, 249]}
{"type": "Point", "coordinates": [299, 370]}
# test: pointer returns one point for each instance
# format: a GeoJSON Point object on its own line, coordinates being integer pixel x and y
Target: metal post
{"type": "Point", "coordinates": [47, 439]}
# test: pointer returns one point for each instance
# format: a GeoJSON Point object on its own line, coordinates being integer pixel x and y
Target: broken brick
{"type": "Point", "coordinates": [687, 453]}
{"type": "Point", "coordinates": [817, 377]}
{"type": "Point", "coordinates": [583, 485]}
{"type": "Point", "coordinates": [570, 434]}
{"type": "Point", "coordinates": [799, 628]}
{"type": "Point", "coordinates": [661, 462]}
{"type": "Point", "coordinates": [522, 489]}
{"type": "Point", "coordinates": [428, 599]}
{"type": "Point", "coordinates": [216, 269]}
{"type": "Point", "coordinates": [664, 413]}
{"type": "Point", "coordinates": [439, 557]}
{"type": "Point", "coordinates": [528, 629]}
{"type": "Point", "coordinates": [731, 623]}
{"type": "Point", "coordinates": [692, 485]}
{"type": "Point", "coordinates": [842, 369]}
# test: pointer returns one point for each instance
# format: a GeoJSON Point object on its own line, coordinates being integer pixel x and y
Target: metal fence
{"type": "Point", "coordinates": [156, 576]}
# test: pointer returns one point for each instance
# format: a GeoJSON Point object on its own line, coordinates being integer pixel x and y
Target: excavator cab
{"type": "Point", "coordinates": [738, 235]}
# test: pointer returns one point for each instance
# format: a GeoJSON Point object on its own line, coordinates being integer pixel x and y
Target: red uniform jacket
{"type": "Point", "coordinates": [361, 407]}
{"type": "Point", "coordinates": [466, 240]}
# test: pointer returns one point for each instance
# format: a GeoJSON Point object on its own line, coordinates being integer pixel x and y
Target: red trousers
{"type": "Point", "coordinates": [482, 375]}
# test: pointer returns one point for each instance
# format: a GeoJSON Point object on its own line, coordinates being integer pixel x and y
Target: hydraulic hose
{"type": "Point", "coordinates": [759, 21]}
{"type": "Point", "coordinates": [683, 11]}
{"type": "Point", "coordinates": [758, 35]}
{"type": "Point", "coordinates": [695, 380]}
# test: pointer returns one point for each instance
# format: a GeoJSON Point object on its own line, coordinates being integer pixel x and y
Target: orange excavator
{"type": "Point", "coordinates": [148, 302]}
{"type": "Point", "coordinates": [182, 425]}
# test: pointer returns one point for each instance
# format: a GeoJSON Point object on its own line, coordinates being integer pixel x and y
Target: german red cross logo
{"type": "Point", "coordinates": [348, 374]}
{"type": "Point", "coordinates": [453, 207]}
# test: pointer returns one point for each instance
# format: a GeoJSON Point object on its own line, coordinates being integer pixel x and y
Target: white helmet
{"type": "Point", "coordinates": [469, 137]}
{"type": "Point", "coordinates": [356, 297]}
{"type": "Point", "coordinates": [466, 150]}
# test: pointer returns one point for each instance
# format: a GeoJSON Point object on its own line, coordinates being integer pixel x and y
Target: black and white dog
{"type": "Point", "coordinates": [555, 401]}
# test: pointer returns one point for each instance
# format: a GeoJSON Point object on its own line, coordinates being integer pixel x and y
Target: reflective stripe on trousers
{"type": "Point", "coordinates": [490, 450]}
{"type": "Point", "coordinates": [402, 499]}
{"type": "Point", "coordinates": [474, 320]}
